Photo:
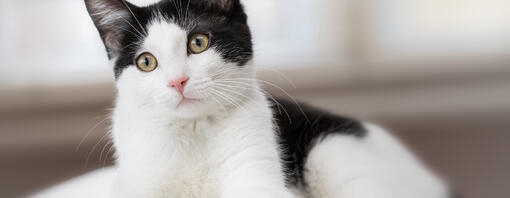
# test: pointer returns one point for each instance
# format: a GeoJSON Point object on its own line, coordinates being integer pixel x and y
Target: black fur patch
{"type": "Point", "coordinates": [224, 20]}
{"type": "Point", "coordinates": [300, 128]}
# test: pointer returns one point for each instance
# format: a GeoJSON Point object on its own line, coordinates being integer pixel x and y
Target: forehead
{"type": "Point", "coordinates": [165, 37]}
{"type": "Point", "coordinates": [173, 19]}
{"type": "Point", "coordinates": [163, 32]}
{"type": "Point", "coordinates": [165, 18]}
{"type": "Point", "coordinates": [190, 15]}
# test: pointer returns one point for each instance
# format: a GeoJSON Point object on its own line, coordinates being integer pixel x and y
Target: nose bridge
{"type": "Point", "coordinates": [177, 55]}
{"type": "Point", "coordinates": [180, 44]}
{"type": "Point", "coordinates": [176, 67]}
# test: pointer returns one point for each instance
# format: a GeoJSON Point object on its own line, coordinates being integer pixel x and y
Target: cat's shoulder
{"type": "Point", "coordinates": [293, 118]}
{"type": "Point", "coordinates": [299, 127]}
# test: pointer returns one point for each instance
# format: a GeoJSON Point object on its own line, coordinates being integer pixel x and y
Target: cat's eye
{"type": "Point", "coordinates": [198, 43]}
{"type": "Point", "coordinates": [146, 62]}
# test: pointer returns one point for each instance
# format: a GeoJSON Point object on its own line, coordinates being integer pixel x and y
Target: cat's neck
{"type": "Point", "coordinates": [146, 135]}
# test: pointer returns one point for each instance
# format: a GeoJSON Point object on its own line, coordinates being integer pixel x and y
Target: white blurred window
{"type": "Point", "coordinates": [294, 33]}
{"type": "Point", "coordinates": [451, 29]}
{"type": "Point", "coordinates": [48, 42]}
{"type": "Point", "coordinates": [54, 41]}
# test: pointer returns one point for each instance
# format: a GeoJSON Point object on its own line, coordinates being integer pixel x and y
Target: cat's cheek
{"type": "Point", "coordinates": [139, 88]}
{"type": "Point", "coordinates": [126, 84]}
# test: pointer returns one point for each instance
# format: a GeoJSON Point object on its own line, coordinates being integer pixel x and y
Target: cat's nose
{"type": "Point", "coordinates": [179, 83]}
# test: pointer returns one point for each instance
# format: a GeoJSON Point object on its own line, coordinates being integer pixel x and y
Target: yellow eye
{"type": "Point", "coordinates": [146, 62]}
{"type": "Point", "coordinates": [198, 43]}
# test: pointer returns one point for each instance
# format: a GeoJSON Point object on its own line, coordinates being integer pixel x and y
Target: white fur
{"type": "Point", "coordinates": [343, 166]}
{"type": "Point", "coordinates": [374, 166]}
{"type": "Point", "coordinates": [222, 144]}
{"type": "Point", "coordinates": [167, 148]}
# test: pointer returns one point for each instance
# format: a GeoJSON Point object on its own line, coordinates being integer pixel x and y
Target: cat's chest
{"type": "Point", "coordinates": [194, 176]}
{"type": "Point", "coordinates": [145, 142]}
{"type": "Point", "coordinates": [178, 161]}
{"type": "Point", "coordinates": [190, 179]}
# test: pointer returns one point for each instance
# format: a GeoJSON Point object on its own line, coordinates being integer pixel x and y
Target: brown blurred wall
{"type": "Point", "coordinates": [458, 127]}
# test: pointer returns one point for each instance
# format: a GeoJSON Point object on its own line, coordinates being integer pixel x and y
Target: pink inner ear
{"type": "Point", "coordinates": [109, 17]}
{"type": "Point", "coordinates": [112, 41]}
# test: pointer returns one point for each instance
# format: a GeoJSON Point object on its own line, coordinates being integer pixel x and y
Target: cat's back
{"type": "Point", "coordinates": [327, 155]}
{"type": "Point", "coordinates": [301, 127]}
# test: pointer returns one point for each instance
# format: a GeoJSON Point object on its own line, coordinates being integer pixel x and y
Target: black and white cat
{"type": "Point", "coordinates": [191, 121]}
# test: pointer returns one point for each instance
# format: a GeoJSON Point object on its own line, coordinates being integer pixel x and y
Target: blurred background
{"type": "Point", "coordinates": [436, 72]}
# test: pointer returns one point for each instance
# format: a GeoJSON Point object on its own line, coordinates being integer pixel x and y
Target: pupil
{"type": "Point", "coordinates": [198, 42]}
{"type": "Point", "coordinates": [146, 61]}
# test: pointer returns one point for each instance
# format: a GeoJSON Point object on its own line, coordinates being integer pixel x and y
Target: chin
{"type": "Point", "coordinates": [191, 109]}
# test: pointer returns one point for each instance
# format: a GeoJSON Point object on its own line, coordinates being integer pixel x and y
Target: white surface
{"type": "Point", "coordinates": [97, 184]}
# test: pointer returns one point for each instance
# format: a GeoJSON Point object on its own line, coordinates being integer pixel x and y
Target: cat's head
{"type": "Point", "coordinates": [186, 57]}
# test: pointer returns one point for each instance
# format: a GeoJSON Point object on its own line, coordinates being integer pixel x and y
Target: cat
{"type": "Point", "coordinates": [190, 120]}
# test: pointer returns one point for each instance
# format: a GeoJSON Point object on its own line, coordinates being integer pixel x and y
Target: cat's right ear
{"type": "Point", "coordinates": [112, 18]}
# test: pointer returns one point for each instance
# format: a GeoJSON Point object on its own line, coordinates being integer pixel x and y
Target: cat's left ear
{"type": "Point", "coordinates": [112, 19]}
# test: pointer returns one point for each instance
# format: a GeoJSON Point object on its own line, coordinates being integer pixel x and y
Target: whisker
{"type": "Point", "coordinates": [219, 103]}
{"type": "Point", "coordinates": [187, 9]}
{"type": "Point", "coordinates": [236, 80]}
{"type": "Point", "coordinates": [281, 74]}
{"type": "Point", "coordinates": [109, 144]}
{"type": "Point", "coordinates": [94, 148]}
{"type": "Point", "coordinates": [229, 99]}
{"type": "Point", "coordinates": [90, 131]}
{"type": "Point", "coordinates": [116, 14]}
{"type": "Point", "coordinates": [133, 14]}
{"type": "Point", "coordinates": [225, 89]}
{"type": "Point", "coordinates": [215, 94]}
{"type": "Point", "coordinates": [108, 152]}
{"type": "Point", "coordinates": [131, 32]}
{"type": "Point", "coordinates": [279, 105]}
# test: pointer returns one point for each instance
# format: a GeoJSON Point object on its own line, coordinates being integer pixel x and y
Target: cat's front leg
{"type": "Point", "coordinates": [254, 173]}
{"type": "Point", "coordinates": [252, 181]}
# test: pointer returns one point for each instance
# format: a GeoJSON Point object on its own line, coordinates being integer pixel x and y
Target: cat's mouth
{"type": "Point", "coordinates": [187, 101]}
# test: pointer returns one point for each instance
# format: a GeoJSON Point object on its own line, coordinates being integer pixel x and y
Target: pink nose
{"type": "Point", "coordinates": [179, 83]}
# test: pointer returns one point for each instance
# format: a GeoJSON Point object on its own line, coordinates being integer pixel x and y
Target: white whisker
{"type": "Point", "coordinates": [133, 14]}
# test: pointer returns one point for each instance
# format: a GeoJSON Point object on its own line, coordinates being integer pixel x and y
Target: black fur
{"type": "Point", "coordinates": [224, 20]}
{"type": "Point", "coordinates": [300, 127]}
